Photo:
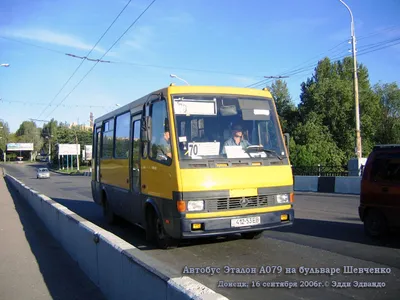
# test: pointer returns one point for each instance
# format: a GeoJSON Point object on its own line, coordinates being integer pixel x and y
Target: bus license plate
{"type": "Point", "coordinates": [245, 222]}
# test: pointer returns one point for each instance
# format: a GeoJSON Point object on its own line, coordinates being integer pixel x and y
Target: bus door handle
{"type": "Point", "coordinates": [385, 189]}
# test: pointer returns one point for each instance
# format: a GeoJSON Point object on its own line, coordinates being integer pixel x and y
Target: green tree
{"type": "Point", "coordinates": [4, 137]}
{"type": "Point", "coordinates": [329, 94]}
{"type": "Point", "coordinates": [66, 134]}
{"type": "Point", "coordinates": [388, 130]}
{"type": "Point", "coordinates": [313, 144]}
{"type": "Point", "coordinates": [29, 133]}
{"type": "Point", "coordinates": [49, 135]}
{"type": "Point", "coordinates": [285, 107]}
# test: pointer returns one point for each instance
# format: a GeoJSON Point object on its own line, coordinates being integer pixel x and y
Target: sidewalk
{"type": "Point", "coordinates": [33, 265]}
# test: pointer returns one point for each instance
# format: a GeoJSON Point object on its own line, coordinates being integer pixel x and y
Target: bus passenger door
{"type": "Point", "coordinates": [135, 169]}
{"type": "Point", "coordinates": [97, 155]}
{"type": "Point", "coordinates": [95, 183]}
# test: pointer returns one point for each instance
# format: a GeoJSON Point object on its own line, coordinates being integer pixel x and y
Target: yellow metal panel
{"type": "Point", "coordinates": [158, 180]}
{"type": "Point", "coordinates": [218, 90]}
{"type": "Point", "coordinates": [115, 172]}
{"type": "Point", "coordinates": [242, 192]}
{"type": "Point", "coordinates": [241, 178]}
{"type": "Point", "coordinates": [240, 212]}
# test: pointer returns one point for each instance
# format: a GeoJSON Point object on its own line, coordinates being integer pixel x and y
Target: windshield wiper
{"type": "Point", "coordinates": [250, 149]}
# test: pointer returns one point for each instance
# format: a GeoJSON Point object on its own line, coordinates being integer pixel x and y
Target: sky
{"type": "Point", "coordinates": [205, 42]}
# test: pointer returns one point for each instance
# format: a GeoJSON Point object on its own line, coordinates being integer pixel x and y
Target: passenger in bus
{"type": "Point", "coordinates": [236, 139]}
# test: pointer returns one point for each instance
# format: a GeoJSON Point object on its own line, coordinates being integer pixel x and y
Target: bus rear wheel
{"type": "Point", "coordinates": [253, 235]}
{"type": "Point", "coordinates": [157, 232]}
{"type": "Point", "coordinates": [108, 213]}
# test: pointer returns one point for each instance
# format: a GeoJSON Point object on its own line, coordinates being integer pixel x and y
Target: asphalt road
{"type": "Point", "coordinates": [327, 234]}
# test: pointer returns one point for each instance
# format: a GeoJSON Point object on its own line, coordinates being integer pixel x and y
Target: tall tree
{"type": "Point", "coordinates": [388, 131]}
{"type": "Point", "coordinates": [313, 144]}
{"type": "Point", "coordinates": [49, 135]}
{"type": "Point", "coordinates": [29, 133]}
{"type": "Point", "coordinates": [284, 105]}
{"type": "Point", "coordinates": [4, 137]}
{"type": "Point", "coordinates": [329, 94]}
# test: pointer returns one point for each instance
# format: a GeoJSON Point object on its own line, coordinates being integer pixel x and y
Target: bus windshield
{"type": "Point", "coordinates": [227, 127]}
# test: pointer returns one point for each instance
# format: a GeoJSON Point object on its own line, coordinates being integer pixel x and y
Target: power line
{"type": "Point", "coordinates": [134, 63]}
{"type": "Point", "coordinates": [387, 29]}
{"type": "Point", "coordinates": [32, 45]}
{"type": "Point", "coordinates": [370, 46]}
{"type": "Point", "coordinates": [45, 103]}
{"type": "Point", "coordinates": [109, 49]}
{"type": "Point", "coordinates": [383, 44]}
{"type": "Point", "coordinates": [87, 55]}
{"type": "Point", "coordinates": [288, 72]}
{"type": "Point", "coordinates": [322, 53]}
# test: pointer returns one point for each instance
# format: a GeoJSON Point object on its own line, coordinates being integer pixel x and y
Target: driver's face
{"type": "Point", "coordinates": [166, 136]}
{"type": "Point", "coordinates": [237, 133]}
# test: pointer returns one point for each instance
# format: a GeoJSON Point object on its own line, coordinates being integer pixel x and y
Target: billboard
{"type": "Point", "coordinates": [88, 152]}
{"type": "Point", "coordinates": [69, 149]}
{"type": "Point", "coordinates": [20, 147]}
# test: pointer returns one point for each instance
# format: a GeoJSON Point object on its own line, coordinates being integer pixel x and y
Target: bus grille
{"type": "Point", "coordinates": [240, 202]}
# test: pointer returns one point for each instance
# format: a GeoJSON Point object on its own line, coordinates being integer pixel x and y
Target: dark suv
{"type": "Point", "coordinates": [380, 191]}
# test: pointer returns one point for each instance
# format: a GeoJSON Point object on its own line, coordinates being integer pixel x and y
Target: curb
{"type": "Point", "coordinates": [85, 173]}
{"type": "Point", "coordinates": [120, 270]}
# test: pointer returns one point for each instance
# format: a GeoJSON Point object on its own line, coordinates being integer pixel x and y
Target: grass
{"type": "Point", "coordinates": [73, 171]}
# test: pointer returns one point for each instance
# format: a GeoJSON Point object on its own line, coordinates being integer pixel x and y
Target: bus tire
{"type": "Point", "coordinates": [156, 232]}
{"type": "Point", "coordinates": [375, 224]}
{"type": "Point", "coordinates": [253, 235]}
{"type": "Point", "coordinates": [108, 213]}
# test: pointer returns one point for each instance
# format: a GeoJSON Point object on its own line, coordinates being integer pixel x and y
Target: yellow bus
{"type": "Point", "coordinates": [194, 161]}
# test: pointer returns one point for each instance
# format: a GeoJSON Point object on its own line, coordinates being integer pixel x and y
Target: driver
{"type": "Point", "coordinates": [236, 139]}
{"type": "Point", "coordinates": [163, 148]}
{"type": "Point", "coordinates": [166, 143]}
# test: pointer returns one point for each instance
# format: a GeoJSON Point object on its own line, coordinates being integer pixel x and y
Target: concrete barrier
{"type": "Point", "coordinates": [306, 183]}
{"type": "Point", "coordinates": [325, 184]}
{"type": "Point", "coordinates": [119, 269]}
{"type": "Point", "coordinates": [348, 185]}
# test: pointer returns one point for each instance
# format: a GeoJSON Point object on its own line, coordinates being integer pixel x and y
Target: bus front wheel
{"type": "Point", "coordinates": [157, 233]}
{"type": "Point", "coordinates": [253, 235]}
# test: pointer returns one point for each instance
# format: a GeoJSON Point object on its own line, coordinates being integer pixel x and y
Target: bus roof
{"type": "Point", "coordinates": [188, 89]}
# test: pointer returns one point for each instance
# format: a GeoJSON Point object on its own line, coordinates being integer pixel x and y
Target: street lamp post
{"type": "Point", "coordinates": [357, 109]}
{"type": "Point", "coordinates": [174, 76]}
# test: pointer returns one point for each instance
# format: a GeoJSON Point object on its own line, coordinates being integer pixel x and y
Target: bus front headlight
{"type": "Point", "coordinates": [284, 198]}
{"type": "Point", "coordinates": [195, 205]}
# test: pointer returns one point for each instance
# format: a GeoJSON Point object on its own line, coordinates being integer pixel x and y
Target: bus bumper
{"type": "Point", "coordinates": [222, 225]}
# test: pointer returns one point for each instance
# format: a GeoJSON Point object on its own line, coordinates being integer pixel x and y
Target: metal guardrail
{"type": "Point", "coordinates": [320, 170]}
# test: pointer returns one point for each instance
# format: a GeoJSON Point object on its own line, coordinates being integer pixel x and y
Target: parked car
{"type": "Point", "coordinates": [380, 191]}
{"type": "Point", "coordinates": [43, 173]}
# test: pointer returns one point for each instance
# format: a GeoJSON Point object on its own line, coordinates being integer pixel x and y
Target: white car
{"type": "Point", "coordinates": [43, 173]}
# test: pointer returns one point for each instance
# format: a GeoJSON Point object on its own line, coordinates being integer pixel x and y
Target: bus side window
{"type": "Point", "coordinates": [108, 139]}
{"type": "Point", "coordinates": [136, 143]}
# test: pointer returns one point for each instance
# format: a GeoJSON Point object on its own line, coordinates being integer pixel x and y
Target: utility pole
{"type": "Point", "coordinates": [77, 151]}
{"type": "Point", "coordinates": [355, 79]}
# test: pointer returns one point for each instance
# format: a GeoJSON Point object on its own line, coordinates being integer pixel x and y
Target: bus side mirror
{"type": "Point", "coordinates": [145, 132]}
{"type": "Point", "coordinates": [287, 141]}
